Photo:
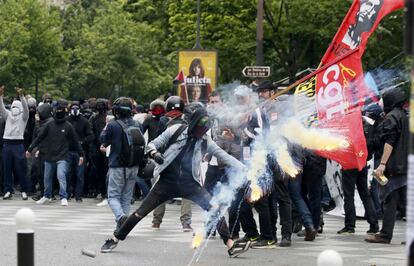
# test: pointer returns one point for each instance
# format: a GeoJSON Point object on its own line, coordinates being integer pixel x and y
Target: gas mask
{"type": "Point", "coordinates": [75, 111]}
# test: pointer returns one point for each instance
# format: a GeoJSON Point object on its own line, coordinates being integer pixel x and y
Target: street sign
{"type": "Point", "coordinates": [256, 71]}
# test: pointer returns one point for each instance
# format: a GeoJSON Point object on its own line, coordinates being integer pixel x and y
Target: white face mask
{"type": "Point", "coordinates": [15, 111]}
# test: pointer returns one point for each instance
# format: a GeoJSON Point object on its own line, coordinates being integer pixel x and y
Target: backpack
{"type": "Point", "coordinates": [133, 146]}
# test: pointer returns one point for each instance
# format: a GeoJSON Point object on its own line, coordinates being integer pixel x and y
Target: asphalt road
{"type": "Point", "coordinates": [62, 232]}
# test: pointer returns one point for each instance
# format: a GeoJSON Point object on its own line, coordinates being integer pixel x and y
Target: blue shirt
{"type": "Point", "coordinates": [112, 135]}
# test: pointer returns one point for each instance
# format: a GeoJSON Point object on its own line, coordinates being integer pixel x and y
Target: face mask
{"type": "Point", "coordinates": [15, 111]}
{"type": "Point", "coordinates": [59, 114]}
{"type": "Point", "coordinates": [74, 111]}
{"type": "Point", "coordinates": [157, 111]}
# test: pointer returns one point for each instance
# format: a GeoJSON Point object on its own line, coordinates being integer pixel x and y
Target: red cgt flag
{"type": "Point", "coordinates": [359, 23]}
{"type": "Point", "coordinates": [336, 89]}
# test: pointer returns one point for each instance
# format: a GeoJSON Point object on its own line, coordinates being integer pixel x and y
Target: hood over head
{"type": "Point", "coordinates": [393, 98]}
{"type": "Point", "coordinates": [45, 111]}
{"type": "Point", "coordinates": [16, 105]}
{"type": "Point", "coordinates": [199, 123]}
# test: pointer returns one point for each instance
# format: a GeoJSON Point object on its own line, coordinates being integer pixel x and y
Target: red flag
{"type": "Point", "coordinates": [360, 22]}
{"type": "Point", "coordinates": [336, 89]}
{"type": "Point", "coordinates": [179, 79]}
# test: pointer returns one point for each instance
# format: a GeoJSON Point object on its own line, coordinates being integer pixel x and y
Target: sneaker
{"type": "Point", "coordinates": [156, 226]}
{"type": "Point", "coordinates": [43, 200]}
{"type": "Point", "coordinates": [263, 243]}
{"type": "Point", "coordinates": [235, 236]}
{"type": "Point", "coordinates": [246, 239]}
{"type": "Point", "coordinates": [378, 238]}
{"type": "Point", "coordinates": [285, 242]}
{"type": "Point", "coordinates": [310, 234]}
{"type": "Point", "coordinates": [64, 202]}
{"type": "Point", "coordinates": [187, 228]}
{"type": "Point", "coordinates": [346, 231]}
{"type": "Point", "coordinates": [238, 248]}
{"type": "Point", "coordinates": [79, 200]}
{"type": "Point", "coordinates": [24, 196]}
{"type": "Point", "coordinates": [99, 197]}
{"type": "Point", "coordinates": [7, 196]}
{"type": "Point", "coordinates": [102, 203]}
{"type": "Point", "coordinates": [109, 245]}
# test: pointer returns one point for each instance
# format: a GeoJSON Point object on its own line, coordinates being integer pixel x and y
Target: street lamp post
{"type": "Point", "coordinates": [197, 45]}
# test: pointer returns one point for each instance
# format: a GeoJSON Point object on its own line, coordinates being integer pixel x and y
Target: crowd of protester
{"type": "Point", "coordinates": [69, 150]}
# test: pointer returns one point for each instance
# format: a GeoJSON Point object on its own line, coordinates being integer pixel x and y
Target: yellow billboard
{"type": "Point", "coordinates": [200, 74]}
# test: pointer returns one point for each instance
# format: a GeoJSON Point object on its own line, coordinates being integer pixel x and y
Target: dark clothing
{"type": "Point", "coordinates": [249, 224]}
{"type": "Point", "coordinates": [14, 164]}
{"type": "Point", "coordinates": [151, 124]}
{"type": "Point", "coordinates": [394, 131]}
{"type": "Point", "coordinates": [30, 127]}
{"type": "Point", "coordinates": [181, 167]}
{"type": "Point", "coordinates": [165, 190]}
{"type": "Point", "coordinates": [57, 138]}
{"type": "Point", "coordinates": [112, 135]}
{"type": "Point", "coordinates": [98, 122]}
{"type": "Point", "coordinates": [390, 209]}
{"type": "Point", "coordinates": [350, 178]}
{"type": "Point", "coordinates": [82, 129]}
{"type": "Point", "coordinates": [280, 197]}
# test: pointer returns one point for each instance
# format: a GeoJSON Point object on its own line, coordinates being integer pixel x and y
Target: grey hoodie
{"type": "Point", "coordinates": [15, 123]}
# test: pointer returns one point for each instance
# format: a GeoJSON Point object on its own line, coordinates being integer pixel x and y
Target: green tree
{"type": "Point", "coordinates": [31, 50]}
{"type": "Point", "coordinates": [111, 54]}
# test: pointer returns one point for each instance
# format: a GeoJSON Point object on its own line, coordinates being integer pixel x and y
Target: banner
{"type": "Point", "coordinates": [336, 90]}
{"type": "Point", "coordinates": [199, 69]}
{"type": "Point", "coordinates": [360, 22]}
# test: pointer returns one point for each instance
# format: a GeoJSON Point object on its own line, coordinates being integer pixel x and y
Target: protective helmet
{"type": "Point", "coordinates": [122, 107]}
{"type": "Point", "coordinates": [174, 103]}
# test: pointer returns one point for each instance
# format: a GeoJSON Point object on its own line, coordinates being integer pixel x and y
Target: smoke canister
{"type": "Point", "coordinates": [382, 179]}
{"type": "Point", "coordinates": [89, 253]}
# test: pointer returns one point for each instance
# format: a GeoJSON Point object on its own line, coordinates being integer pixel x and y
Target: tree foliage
{"type": "Point", "coordinates": [103, 48]}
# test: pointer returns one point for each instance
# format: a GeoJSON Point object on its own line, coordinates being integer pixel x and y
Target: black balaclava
{"type": "Point", "coordinates": [61, 111]}
{"type": "Point", "coordinates": [199, 123]}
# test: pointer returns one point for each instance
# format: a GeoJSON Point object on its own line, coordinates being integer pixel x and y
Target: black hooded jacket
{"type": "Point", "coordinates": [83, 131]}
{"type": "Point", "coordinates": [55, 138]}
{"type": "Point", "coordinates": [45, 116]}
{"type": "Point", "coordinates": [395, 132]}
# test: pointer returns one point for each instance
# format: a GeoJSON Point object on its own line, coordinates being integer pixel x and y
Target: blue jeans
{"type": "Point", "coordinates": [120, 187]}
{"type": "Point", "coordinates": [295, 188]}
{"type": "Point", "coordinates": [75, 170]}
{"type": "Point", "coordinates": [50, 169]}
{"type": "Point", "coordinates": [143, 186]}
{"type": "Point", "coordinates": [14, 164]}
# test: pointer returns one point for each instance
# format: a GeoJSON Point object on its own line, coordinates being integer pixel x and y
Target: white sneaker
{"type": "Point", "coordinates": [24, 196]}
{"type": "Point", "coordinates": [64, 202]}
{"type": "Point", "coordinates": [7, 196]}
{"type": "Point", "coordinates": [102, 203]}
{"type": "Point", "coordinates": [43, 200]}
